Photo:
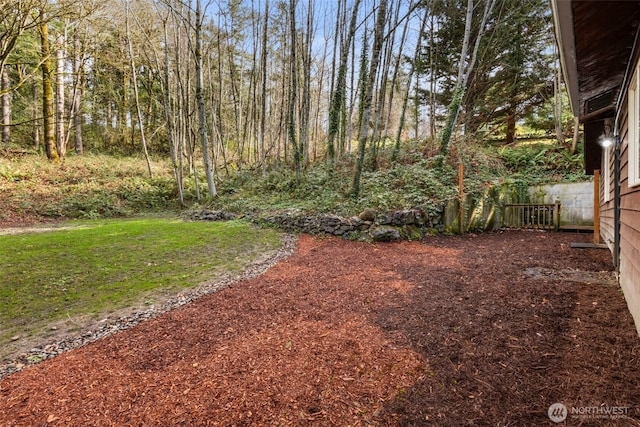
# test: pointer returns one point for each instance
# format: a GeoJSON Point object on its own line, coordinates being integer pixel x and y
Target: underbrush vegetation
{"type": "Point", "coordinates": [91, 186]}
{"type": "Point", "coordinates": [414, 180]}
{"type": "Point", "coordinates": [102, 186]}
{"type": "Point", "coordinates": [542, 163]}
{"type": "Point", "coordinates": [395, 186]}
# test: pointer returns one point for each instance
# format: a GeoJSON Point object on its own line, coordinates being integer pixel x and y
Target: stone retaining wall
{"type": "Point", "coordinates": [484, 212]}
{"type": "Point", "coordinates": [408, 224]}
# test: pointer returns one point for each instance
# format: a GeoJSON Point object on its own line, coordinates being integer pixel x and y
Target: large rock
{"type": "Point", "coordinates": [356, 221]}
{"type": "Point", "coordinates": [404, 217]}
{"type": "Point", "coordinates": [411, 233]}
{"type": "Point", "coordinates": [208, 215]}
{"type": "Point", "coordinates": [385, 218]}
{"type": "Point", "coordinates": [420, 218]}
{"type": "Point", "coordinates": [385, 234]}
{"type": "Point", "coordinates": [368, 215]}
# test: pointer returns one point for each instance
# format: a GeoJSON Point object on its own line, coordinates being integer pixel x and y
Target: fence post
{"type": "Point", "coordinates": [461, 188]}
{"type": "Point", "coordinates": [556, 215]}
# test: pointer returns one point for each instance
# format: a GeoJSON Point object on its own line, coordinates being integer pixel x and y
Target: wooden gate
{"type": "Point", "coordinates": [533, 215]}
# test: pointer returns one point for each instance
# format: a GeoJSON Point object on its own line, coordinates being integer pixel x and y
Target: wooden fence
{"type": "Point", "coordinates": [532, 215]}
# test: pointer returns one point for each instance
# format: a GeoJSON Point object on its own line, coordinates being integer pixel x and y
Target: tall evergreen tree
{"type": "Point", "coordinates": [511, 75]}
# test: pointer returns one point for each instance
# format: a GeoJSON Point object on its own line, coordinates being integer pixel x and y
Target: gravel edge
{"type": "Point", "coordinates": [110, 327]}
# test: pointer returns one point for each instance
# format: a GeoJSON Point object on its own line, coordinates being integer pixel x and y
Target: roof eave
{"type": "Point", "coordinates": [565, 38]}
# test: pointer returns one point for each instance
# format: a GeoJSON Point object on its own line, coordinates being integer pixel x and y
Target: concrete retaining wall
{"type": "Point", "coordinates": [576, 201]}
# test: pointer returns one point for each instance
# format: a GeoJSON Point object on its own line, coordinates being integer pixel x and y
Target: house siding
{"type": "Point", "coordinates": [607, 207]}
{"type": "Point", "coordinates": [629, 225]}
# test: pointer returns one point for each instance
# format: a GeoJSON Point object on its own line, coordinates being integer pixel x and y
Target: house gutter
{"type": "Point", "coordinates": [563, 27]}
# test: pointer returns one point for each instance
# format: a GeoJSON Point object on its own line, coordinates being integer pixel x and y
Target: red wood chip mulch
{"type": "Point", "coordinates": [473, 330]}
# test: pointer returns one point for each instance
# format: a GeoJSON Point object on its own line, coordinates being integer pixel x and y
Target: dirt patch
{"type": "Point", "coordinates": [13, 222]}
{"type": "Point", "coordinates": [27, 229]}
{"type": "Point", "coordinates": [451, 331]}
{"type": "Point", "coordinates": [571, 275]}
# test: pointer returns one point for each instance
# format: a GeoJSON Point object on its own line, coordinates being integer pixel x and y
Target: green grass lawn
{"type": "Point", "coordinates": [96, 267]}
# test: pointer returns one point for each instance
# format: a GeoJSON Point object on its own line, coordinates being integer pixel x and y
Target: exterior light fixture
{"type": "Point", "coordinates": [605, 141]}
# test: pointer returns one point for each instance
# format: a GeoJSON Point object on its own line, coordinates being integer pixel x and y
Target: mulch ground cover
{"type": "Point", "coordinates": [474, 330]}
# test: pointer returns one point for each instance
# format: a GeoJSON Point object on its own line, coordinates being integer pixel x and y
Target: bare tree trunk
{"type": "Point", "coordinates": [111, 117]}
{"type": "Point", "coordinates": [458, 91]}
{"type": "Point", "coordinates": [192, 146]}
{"type": "Point", "coordinates": [237, 105]}
{"type": "Point", "coordinates": [200, 101]}
{"type": "Point", "coordinates": [405, 103]}
{"type": "Point", "coordinates": [293, 88]}
{"type": "Point", "coordinates": [78, 68]}
{"type": "Point", "coordinates": [339, 91]}
{"type": "Point", "coordinates": [305, 112]}
{"type": "Point", "coordinates": [251, 127]}
{"type": "Point", "coordinates": [337, 37]}
{"type": "Point", "coordinates": [5, 90]}
{"type": "Point", "coordinates": [134, 77]}
{"type": "Point", "coordinates": [432, 81]}
{"type": "Point", "coordinates": [320, 84]}
{"type": "Point", "coordinates": [396, 68]}
{"type": "Point", "coordinates": [510, 134]}
{"type": "Point", "coordinates": [373, 71]}
{"type": "Point", "coordinates": [221, 128]}
{"type": "Point", "coordinates": [248, 108]}
{"type": "Point", "coordinates": [347, 117]}
{"type": "Point", "coordinates": [174, 151]}
{"type": "Point", "coordinates": [182, 145]}
{"type": "Point", "coordinates": [219, 149]}
{"type": "Point", "coordinates": [183, 83]}
{"type": "Point", "coordinates": [47, 94]}
{"type": "Point", "coordinates": [557, 105]}
{"type": "Point", "coordinates": [576, 134]}
{"type": "Point", "coordinates": [124, 111]}
{"type": "Point", "coordinates": [382, 90]}
{"type": "Point", "coordinates": [60, 134]}
{"type": "Point", "coordinates": [35, 130]}
{"type": "Point", "coordinates": [263, 97]}
{"type": "Point", "coordinates": [215, 145]}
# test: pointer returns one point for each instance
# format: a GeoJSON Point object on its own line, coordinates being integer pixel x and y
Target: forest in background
{"type": "Point", "coordinates": [226, 88]}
